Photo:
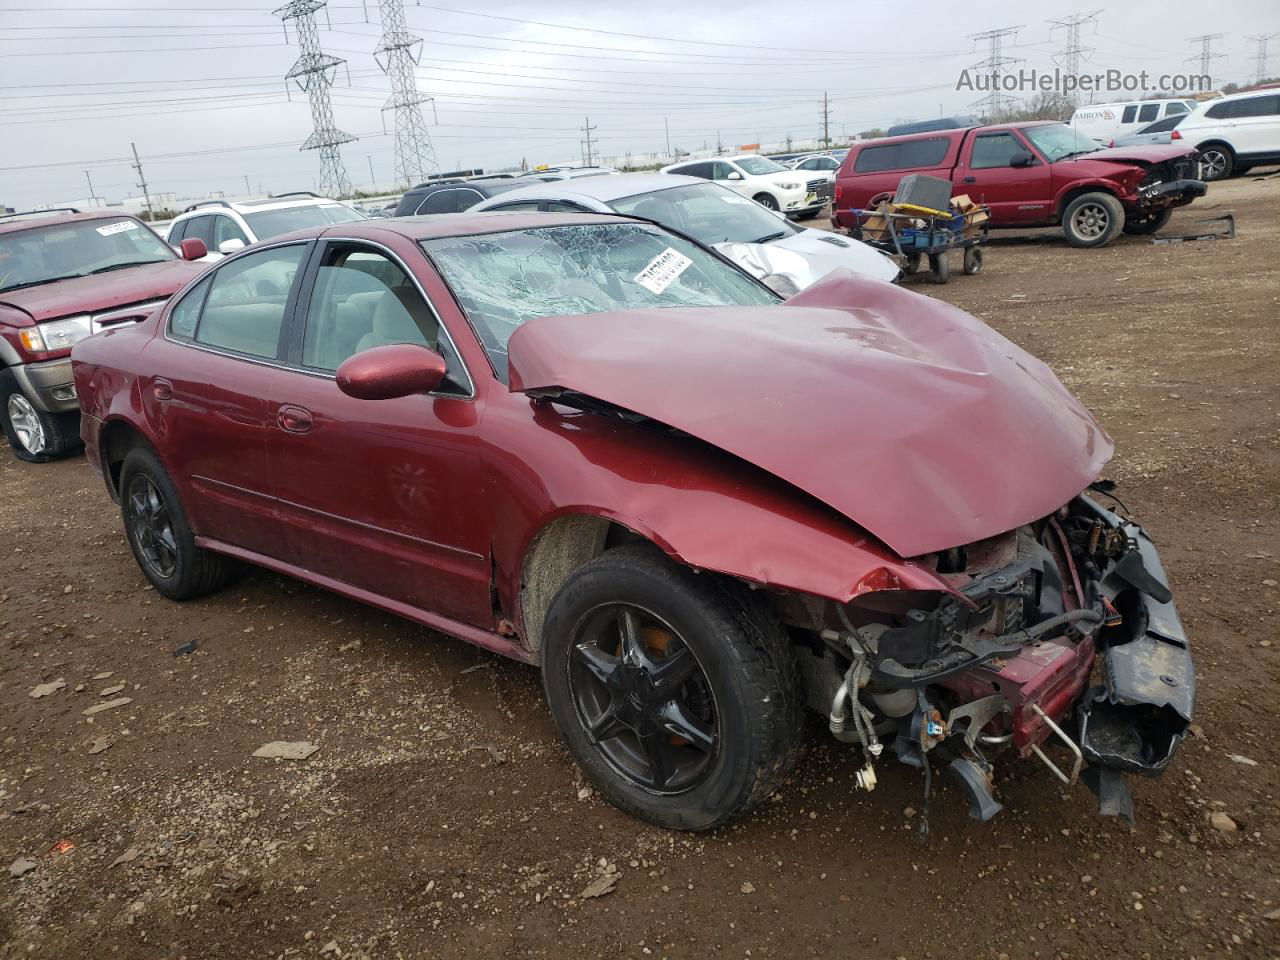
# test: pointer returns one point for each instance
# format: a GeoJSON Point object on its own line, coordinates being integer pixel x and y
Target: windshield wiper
{"type": "Point", "coordinates": [36, 283]}
{"type": "Point", "coordinates": [1076, 153]}
{"type": "Point", "coordinates": [772, 236]}
{"type": "Point", "coordinates": [119, 266]}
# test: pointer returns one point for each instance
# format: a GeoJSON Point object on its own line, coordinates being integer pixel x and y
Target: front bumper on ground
{"type": "Point", "coordinates": [48, 385]}
{"type": "Point", "coordinates": [1174, 193]}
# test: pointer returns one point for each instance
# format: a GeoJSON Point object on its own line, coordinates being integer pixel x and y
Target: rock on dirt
{"type": "Point", "coordinates": [45, 689]}
{"type": "Point", "coordinates": [21, 867]}
{"type": "Point", "coordinates": [286, 750]}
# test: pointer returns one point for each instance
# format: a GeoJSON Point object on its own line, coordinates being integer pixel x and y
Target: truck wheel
{"type": "Point", "coordinates": [911, 263]}
{"type": "Point", "coordinates": [972, 260]}
{"type": "Point", "coordinates": [1216, 162]}
{"type": "Point", "coordinates": [677, 696]}
{"type": "Point", "coordinates": [159, 535]}
{"type": "Point", "coordinates": [1140, 224]}
{"type": "Point", "coordinates": [940, 268]}
{"type": "Point", "coordinates": [766, 200]}
{"type": "Point", "coordinates": [1092, 220]}
{"type": "Point", "coordinates": [35, 435]}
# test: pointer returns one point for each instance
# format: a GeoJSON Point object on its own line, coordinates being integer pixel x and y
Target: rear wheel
{"type": "Point", "coordinates": [35, 435]}
{"type": "Point", "coordinates": [1140, 224]}
{"type": "Point", "coordinates": [1217, 161]}
{"type": "Point", "coordinates": [940, 268]}
{"type": "Point", "coordinates": [1092, 220]}
{"type": "Point", "coordinates": [677, 696]}
{"type": "Point", "coordinates": [911, 263]}
{"type": "Point", "coordinates": [159, 535]}
{"type": "Point", "coordinates": [972, 260]}
{"type": "Point", "coordinates": [767, 200]}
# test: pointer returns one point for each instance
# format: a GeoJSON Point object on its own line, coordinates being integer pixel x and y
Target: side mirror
{"type": "Point", "coordinates": [397, 370]}
{"type": "Point", "coordinates": [193, 248]}
{"type": "Point", "coordinates": [1021, 159]}
{"type": "Point", "coordinates": [734, 175]}
{"type": "Point", "coordinates": [231, 246]}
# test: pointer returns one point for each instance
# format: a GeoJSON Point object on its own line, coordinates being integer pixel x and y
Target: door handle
{"type": "Point", "coordinates": [292, 418]}
{"type": "Point", "coordinates": [970, 179]}
{"type": "Point", "coordinates": [161, 389]}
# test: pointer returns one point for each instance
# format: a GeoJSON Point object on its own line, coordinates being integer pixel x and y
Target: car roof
{"type": "Point", "coordinates": [443, 225]}
{"type": "Point", "coordinates": [282, 202]}
{"type": "Point", "coordinates": [495, 183]}
{"type": "Point", "coordinates": [604, 189]}
{"type": "Point", "coordinates": [18, 225]}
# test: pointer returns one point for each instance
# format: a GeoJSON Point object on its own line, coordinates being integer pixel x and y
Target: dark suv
{"type": "Point", "coordinates": [454, 196]}
{"type": "Point", "coordinates": [63, 276]}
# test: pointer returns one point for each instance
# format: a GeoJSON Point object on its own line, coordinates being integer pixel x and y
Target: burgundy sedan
{"type": "Point", "coordinates": [592, 444]}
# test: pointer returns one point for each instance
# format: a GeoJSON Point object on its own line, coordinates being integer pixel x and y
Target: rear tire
{"type": "Point", "coordinates": [1148, 223]}
{"type": "Point", "coordinates": [35, 435]}
{"type": "Point", "coordinates": [159, 534]}
{"type": "Point", "coordinates": [1217, 161]}
{"type": "Point", "coordinates": [972, 260]}
{"type": "Point", "coordinates": [940, 268]}
{"type": "Point", "coordinates": [735, 689]}
{"type": "Point", "coordinates": [1092, 220]}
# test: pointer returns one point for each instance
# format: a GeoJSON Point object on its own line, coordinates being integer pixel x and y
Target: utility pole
{"type": "Point", "coordinates": [997, 102]}
{"type": "Point", "coordinates": [719, 145]}
{"type": "Point", "coordinates": [1260, 58]}
{"type": "Point", "coordinates": [313, 73]}
{"type": "Point", "coordinates": [247, 189]}
{"type": "Point", "coordinates": [373, 181]}
{"type": "Point", "coordinates": [826, 120]}
{"type": "Point", "coordinates": [415, 157]}
{"type": "Point", "coordinates": [142, 182]}
{"type": "Point", "coordinates": [666, 128]}
{"type": "Point", "coordinates": [586, 144]}
{"type": "Point", "coordinates": [1072, 52]}
{"type": "Point", "coordinates": [1206, 56]}
{"type": "Point", "coordinates": [92, 196]}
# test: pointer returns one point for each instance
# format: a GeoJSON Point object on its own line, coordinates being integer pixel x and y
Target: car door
{"type": "Point", "coordinates": [1256, 129]}
{"type": "Point", "coordinates": [382, 495]}
{"type": "Point", "coordinates": [214, 365]}
{"type": "Point", "coordinates": [1014, 194]}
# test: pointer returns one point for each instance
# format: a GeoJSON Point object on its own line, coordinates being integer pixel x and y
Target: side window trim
{"type": "Point", "coordinates": [294, 327]}
{"type": "Point", "coordinates": [290, 306]}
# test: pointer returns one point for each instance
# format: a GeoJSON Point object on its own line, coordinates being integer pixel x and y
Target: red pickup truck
{"type": "Point", "coordinates": [1034, 174]}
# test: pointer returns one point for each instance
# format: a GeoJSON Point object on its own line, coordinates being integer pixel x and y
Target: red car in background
{"type": "Point", "coordinates": [63, 276]}
{"type": "Point", "coordinates": [589, 443]}
{"type": "Point", "coordinates": [1032, 174]}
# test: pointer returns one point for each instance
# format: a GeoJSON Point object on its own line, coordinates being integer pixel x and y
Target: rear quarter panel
{"type": "Point", "coordinates": [854, 190]}
{"type": "Point", "coordinates": [106, 369]}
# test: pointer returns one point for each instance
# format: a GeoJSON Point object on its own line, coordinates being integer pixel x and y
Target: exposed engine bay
{"type": "Point", "coordinates": [1060, 637]}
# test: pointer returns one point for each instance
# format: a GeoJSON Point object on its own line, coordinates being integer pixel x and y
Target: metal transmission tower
{"type": "Point", "coordinates": [314, 73]}
{"type": "Point", "coordinates": [1069, 57]}
{"type": "Point", "coordinates": [401, 51]}
{"type": "Point", "coordinates": [1260, 58]}
{"type": "Point", "coordinates": [1206, 56]}
{"type": "Point", "coordinates": [997, 102]}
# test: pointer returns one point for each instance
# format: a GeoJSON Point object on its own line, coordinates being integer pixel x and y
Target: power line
{"type": "Point", "coordinates": [314, 73]}
{"type": "Point", "coordinates": [997, 102]}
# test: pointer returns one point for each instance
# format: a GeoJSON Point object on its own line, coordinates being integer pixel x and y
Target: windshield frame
{"type": "Point", "coordinates": [1054, 129]}
{"type": "Point", "coordinates": [728, 196]}
{"type": "Point", "coordinates": [163, 252]}
{"type": "Point", "coordinates": [503, 376]}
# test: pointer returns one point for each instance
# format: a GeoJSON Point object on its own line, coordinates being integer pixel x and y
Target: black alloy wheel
{"type": "Point", "coordinates": [151, 526]}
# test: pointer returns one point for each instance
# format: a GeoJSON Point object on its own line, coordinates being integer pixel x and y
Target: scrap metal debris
{"type": "Point", "coordinates": [599, 887]}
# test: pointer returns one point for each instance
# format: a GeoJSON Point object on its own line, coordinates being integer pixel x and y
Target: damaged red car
{"type": "Point", "coordinates": [592, 444]}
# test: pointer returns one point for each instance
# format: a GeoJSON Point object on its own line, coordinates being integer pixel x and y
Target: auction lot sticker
{"type": "Point", "coordinates": [662, 270]}
{"type": "Point", "coordinates": [124, 226]}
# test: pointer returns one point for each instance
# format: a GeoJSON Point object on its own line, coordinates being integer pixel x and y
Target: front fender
{"type": "Point", "coordinates": [1068, 191]}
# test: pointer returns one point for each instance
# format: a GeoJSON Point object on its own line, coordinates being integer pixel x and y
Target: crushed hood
{"type": "Point", "coordinates": [910, 417]}
{"type": "Point", "coordinates": [103, 292]}
{"type": "Point", "coordinates": [1143, 154]}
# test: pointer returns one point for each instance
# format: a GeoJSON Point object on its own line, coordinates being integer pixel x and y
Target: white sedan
{"type": "Point", "coordinates": [786, 256]}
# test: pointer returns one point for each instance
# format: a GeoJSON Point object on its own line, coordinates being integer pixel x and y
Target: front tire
{"type": "Point", "coordinates": [35, 435]}
{"type": "Point", "coordinates": [1142, 224]}
{"type": "Point", "coordinates": [767, 200]}
{"type": "Point", "coordinates": [676, 692]}
{"type": "Point", "coordinates": [1092, 220]}
{"type": "Point", "coordinates": [159, 534]}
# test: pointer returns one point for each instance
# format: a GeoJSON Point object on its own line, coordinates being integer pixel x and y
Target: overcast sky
{"type": "Point", "coordinates": [200, 88]}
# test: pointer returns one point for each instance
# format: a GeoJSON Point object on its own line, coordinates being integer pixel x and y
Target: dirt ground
{"type": "Point", "coordinates": [442, 818]}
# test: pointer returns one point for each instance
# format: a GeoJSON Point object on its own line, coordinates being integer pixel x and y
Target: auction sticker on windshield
{"type": "Point", "coordinates": [124, 226]}
{"type": "Point", "coordinates": [662, 270]}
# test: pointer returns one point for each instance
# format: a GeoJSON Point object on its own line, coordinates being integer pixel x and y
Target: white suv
{"type": "Point", "coordinates": [226, 227]}
{"type": "Point", "coordinates": [1232, 134]}
{"type": "Point", "coordinates": [801, 193]}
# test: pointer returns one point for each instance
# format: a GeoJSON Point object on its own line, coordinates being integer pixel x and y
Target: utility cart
{"type": "Point", "coordinates": [909, 236]}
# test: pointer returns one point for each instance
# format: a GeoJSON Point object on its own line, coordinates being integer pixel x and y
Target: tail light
{"type": "Point", "coordinates": [839, 193]}
{"type": "Point", "coordinates": [1175, 135]}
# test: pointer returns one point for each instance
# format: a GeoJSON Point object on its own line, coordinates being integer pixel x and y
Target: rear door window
{"type": "Point", "coordinates": [703, 170]}
{"type": "Point", "coordinates": [909, 154]}
{"type": "Point", "coordinates": [442, 201]}
{"type": "Point", "coordinates": [1130, 113]}
{"type": "Point", "coordinates": [1176, 106]}
{"type": "Point", "coordinates": [201, 228]}
{"type": "Point", "coordinates": [1148, 112]}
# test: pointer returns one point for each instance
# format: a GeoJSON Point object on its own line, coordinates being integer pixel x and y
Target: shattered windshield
{"type": "Point", "coordinates": [502, 280]}
{"type": "Point", "coordinates": [1057, 141]}
{"type": "Point", "coordinates": [709, 213]}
